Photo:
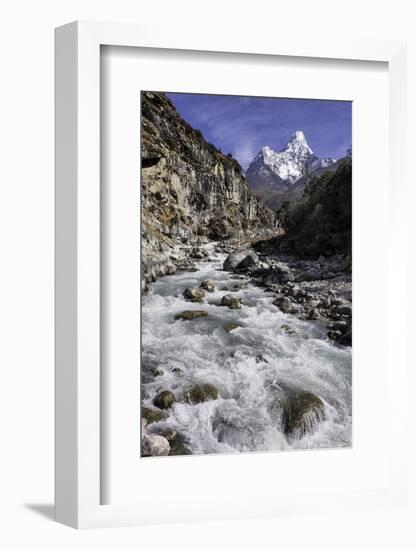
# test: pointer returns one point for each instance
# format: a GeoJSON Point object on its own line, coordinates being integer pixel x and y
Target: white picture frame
{"type": "Point", "coordinates": [78, 426]}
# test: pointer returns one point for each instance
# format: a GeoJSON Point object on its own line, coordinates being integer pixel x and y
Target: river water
{"type": "Point", "coordinates": [250, 366]}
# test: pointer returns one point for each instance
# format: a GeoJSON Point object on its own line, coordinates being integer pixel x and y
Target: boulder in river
{"type": "Point", "coordinates": [155, 445]}
{"type": "Point", "coordinates": [178, 445]}
{"type": "Point", "coordinates": [194, 294]}
{"type": "Point", "coordinates": [190, 314]}
{"type": "Point", "coordinates": [302, 411]}
{"type": "Point", "coordinates": [200, 393]}
{"type": "Point", "coordinates": [208, 284]}
{"type": "Point", "coordinates": [151, 415]}
{"type": "Point", "coordinates": [164, 400]}
{"type": "Point", "coordinates": [228, 327]}
{"type": "Point", "coordinates": [231, 302]}
{"type": "Point", "coordinates": [283, 303]}
{"type": "Point", "coordinates": [240, 259]}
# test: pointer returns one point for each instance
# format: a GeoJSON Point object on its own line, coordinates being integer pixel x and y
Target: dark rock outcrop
{"type": "Point", "coordinates": [191, 192]}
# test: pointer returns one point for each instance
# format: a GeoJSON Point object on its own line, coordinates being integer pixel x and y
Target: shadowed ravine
{"type": "Point", "coordinates": [261, 373]}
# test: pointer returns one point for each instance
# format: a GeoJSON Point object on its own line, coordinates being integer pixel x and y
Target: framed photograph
{"type": "Point", "coordinates": [224, 347]}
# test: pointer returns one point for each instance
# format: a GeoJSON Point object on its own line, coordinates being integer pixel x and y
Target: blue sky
{"type": "Point", "coordinates": [242, 125]}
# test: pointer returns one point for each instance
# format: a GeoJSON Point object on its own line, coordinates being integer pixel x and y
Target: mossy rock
{"type": "Point", "coordinates": [150, 415]}
{"type": "Point", "coordinates": [302, 411]}
{"type": "Point", "coordinates": [231, 302]}
{"type": "Point", "coordinates": [179, 447]}
{"type": "Point", "coordinates": [283, 303]}
{"type": "Point", "coordinates": [208, 284]}
{"type": "Point", "coordinates": [189, 315]}
{"type": "Point", "coordinates": [228, 327]}
{"type": "Point", "coordinates": [194, 294]}
{"type": "Point", "coordinates": [201, 392]}
{"type": "Point", "coordinates": [164, 400]}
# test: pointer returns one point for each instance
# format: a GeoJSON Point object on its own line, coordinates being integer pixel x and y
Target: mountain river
{"type": "Point", "coordinates": [252, 366]}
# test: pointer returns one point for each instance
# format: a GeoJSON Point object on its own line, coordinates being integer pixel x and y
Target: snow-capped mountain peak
{"type": "Point", "coordinates": [287, 165]}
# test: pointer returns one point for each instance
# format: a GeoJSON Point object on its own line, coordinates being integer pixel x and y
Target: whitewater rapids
{"type": "Point", "coordinates": [249, 366]}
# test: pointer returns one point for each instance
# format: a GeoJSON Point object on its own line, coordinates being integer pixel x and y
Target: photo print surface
{"type": "Point", "coordinates": [246, 262]}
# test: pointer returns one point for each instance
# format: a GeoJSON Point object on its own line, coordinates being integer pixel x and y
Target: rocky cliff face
{"type": "Point", "coordinates": [191, 192]}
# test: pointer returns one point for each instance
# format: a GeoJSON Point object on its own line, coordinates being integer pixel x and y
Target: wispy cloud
{"type": "Point", "coordinates": [242, 125]}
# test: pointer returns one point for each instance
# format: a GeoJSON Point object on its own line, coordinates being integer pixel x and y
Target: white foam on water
{"type": "Point", "coordinates": [250, 366]}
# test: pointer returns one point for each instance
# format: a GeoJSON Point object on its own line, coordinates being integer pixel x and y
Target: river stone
{"type": "Point", "coordinates": [240, 259]}
{"type": "Point", "coordinates": [346, 339]}
{"type": "Point", "coordinates": [231, 302]}
{"type": "Point", "coordinates": [283, 303]}
{"type": "Point", "coordinates": [155, 445]}
{"type": "Point", "coordinates": [179, 446]}
{"type": "Point", "coordinates": [208, 284]}
{"type": "Point", "coordinates": [228, 327]}
{"type": "Point", "coordinates": [201, 392]}
{"type": "Point", "coordinates": [302, 411]}
{"type": "Point", "coordinates": [164, 400]}
{"type": "Point", "coordinates": [194, 294]}
{"type": "Point", "coordinates": [344, 309]}
{"type": "Point", "coordinates": [310, 275]}
{"type": "Point", "coordinates": [151, 415]}
{"type": "Point", "coordinates": [189, 315]}
{"type": "Point", "coordinates": [313, 314]}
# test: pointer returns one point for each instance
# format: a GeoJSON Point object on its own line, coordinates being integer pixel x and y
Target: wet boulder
{"type": "Point", "coordinates": [189, 315]}
{"type": "Point", "coordinates": [228, 327]}
{"type": "Point", "coordinates": [231, 302]}
{"type": "Point", "coordinates": [302, 412]}
{"type": "Point", "coordinates": [178, 444]}
{"type": "Point", "coordinates": [240, 259]}
{"type": "Point", "coordinates": [283, 303]}
{"type": "Point", "coordinates": [194, 294]}
{"type": "Point", "coordinates": [151, 415]}
{"type": "Point", "coordinates": [155, 445]}
{"type": "Point", "coordinates": [164, 400]}
{"type": "Point", "coordinates": [278, 275]}
{"type": "Point", "coordinates": [208, 284]}
{"type": "Point", "coordinates": [199, 393]}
